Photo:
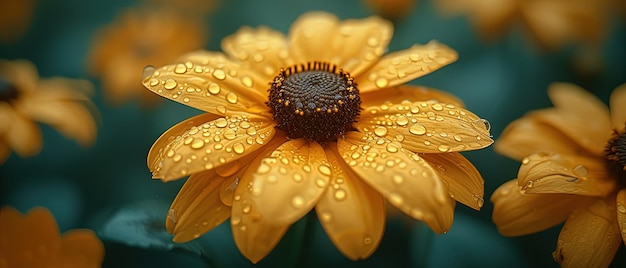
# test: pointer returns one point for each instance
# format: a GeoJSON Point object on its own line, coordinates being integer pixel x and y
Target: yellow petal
{"type": "Point", "coordinates": [205, 146]}
{"type": "Point", "coordinates": [402, 177]}
{"type": "Point", "coordinates": [526, 136]}
{"type": "Point", "coordinates": [618, 108]}
{"type": "Point", "coordinates": [403, 66]}
{"type": "Point", "coordinates": [352, 213]}
{"type": "Point", "coordinates": [565, 174]}
{"type": "Point", "coordinates": [427, 127]}
{"type": "Point", "coordinates": [408, 93]}
{"type": "Point", "coordinates": [81, 248]}
{"type": "Point", "coordinates": [621, 213]}
{"type": "Point", "coordinates": [309, 37]}
{"type": "Point", "coordinates": [590, 237]}
{"type": "Point", "coordinates": [491, 18]}
{"type": "Point", "coordinates": [518, 214]}
{"type": "Point", "coordinates": [289, 182]}
{"type": "Point", "coordinates": [464, 181]}
{"type": "Point", "coordinates": [21, 73]}
{"type": "Point", "coordinates": [360, 43]}
{"type": "Point", "coordinates": [209, 81]}
{"type": "Point", "coordinates": [23, 136]}
{"type": "Point", "coordinates": [197, 208]}
{"type": "Point", "coordinates": [263, 49]}
{"type": "Point", "coordinates": [578, 114]}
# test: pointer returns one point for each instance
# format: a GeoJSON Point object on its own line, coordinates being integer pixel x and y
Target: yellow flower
{"type": "Point", "coordinates": [573, 158]}
{"type": "Point", "coordinates": [140, 37]}
{"type": "Point", "coordinates": [26, 100]}
{"type": "Point", "coordinates": [33, 240]}
{"type": "Point", "coordinates": [551, 23]}
{"type": "Point", "coordinates": [315, 119]}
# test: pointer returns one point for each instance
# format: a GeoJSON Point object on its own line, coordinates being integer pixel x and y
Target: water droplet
{"type": "Point", "coordinates": [443, 148]}
{"type": "Point", "coordinates": [180, 68]}
{"type": "Point", "coordinates": [395, 199]}
{"type": "Point", "coordinates": [197, 143]}
{"type": "Point", "coordinates": [298, 201]}
{"type": "Point", "coordinates": [231, 97]}
{"type": "Point", "coordinates": [457, 138]}
{"type": "Point", "coordinates": [170, 84]}
{"type": "Point", "coordinates": [380, 131]}
{"type": "Point", "coordinates": [381, 82]}
{"type": "Point", "coordinates": [177, 158]}
{"type": "Point", "coordinates": [621, 208]}
{"type": "Point", "coordinates": [372, 41]}
{"type": "Point", "coordinates": [221, 122]}
{"type": "Point", "coordinates": [580, 171]}
{"type": "Point", "coordinates": [525, 160]}
{"type": "Point", "coordinates": [340, 195]}
{"type": "Point", "coordinates": [367, 240]}
{"type": "Point", "coordinates": [238, 148]}
{"type": "Point", "coordinates": [402, 121]}
{"type": "Point", "coordinates": [437, 107]}
{"type": "Point", "coordinates": [230, 134]}
{"type": "Point", "coordinates": [219, 74]}
{"type": "Point", "coordinates": [392, 148]}
{"type": "Point", "coordinates": [326, 216]}
{"type": "Point", "coordinates": [147, 71]}
{"type": "Point", "coordinates": [306, 168]}
{"type": "Point", "coordinates": [247, 81]}
{"type": "Point", "coordinates": [417, 129]}
{"type": "Point", "coordinates": [246, 209]}
{"type": "Point", "coordinates": [324, 169]}
{"type": "Point", "coordinates": [214, 89]}
{"type": "Point", "coordinates": [320, 183]}
{"type": "Point", "coordinates": [397, 179]}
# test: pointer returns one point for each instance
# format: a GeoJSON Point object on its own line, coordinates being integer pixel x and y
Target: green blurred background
{"type": "Point", "coordinates": [109, 189]}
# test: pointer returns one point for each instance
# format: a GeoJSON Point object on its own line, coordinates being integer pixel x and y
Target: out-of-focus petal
{"type": "Point", "coordinates": [526, 136]}
{"type": "Point", "coordinates": [197, 207]}
{"type": "Point", "coordinates": [352, 213]}
{"type": "Point", "coordinates": [24, 136]}
{"type": "Point", "coordinates": [518, 214]}
{"type": "Point", "coordinates": [405, 65]}
{"type": "Point", "coordinates": [621, 213]}
{"type": "Point", "coordinates": [579, 115]}
{"type": "Point", "coordinates": [464, 181]}
{"type": "Point", "coordinates": [289, 182]}
{"type": "Point", "coordinates": [81, 248]}
{"type": "Point", "coordinates": [207, 145]}
{"type": "Point", "coordinates": [310, 35]}
{"type": "Point", "coordinates": [409, 93]}
{"type": "Point", "coordinates": [427, 127]}
{"type": "Point", "coordinates": [360, 43]}
{"type": "Point", "coordinates": [590, 236]}
{"type": "Point", "coordinates": [401, 176]}
{"type": "Point", "coordinates": [263, 49]}
{"type": "Point", "coordinates": [209, 81]}
{"type": "Point", "coordinates": [21, 73]}
{"type": "Point", "coordinates": [565, 174]}
{"type": "Point", "coordinates": [618, 108]}
{"type": "Point", "coordinates": [5, 151]}
{"type": "Point", "coordinates": [491, 18]}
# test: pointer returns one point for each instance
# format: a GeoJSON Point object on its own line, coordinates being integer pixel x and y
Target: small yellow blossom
{"type": "Point", "coordinates": [573, 170]}
{"type": "Point", "coordinates": [33, 241]}
{"type": "Point", "coordinates": [316, 119]}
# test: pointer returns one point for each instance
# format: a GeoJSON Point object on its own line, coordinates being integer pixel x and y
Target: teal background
{"type": "Point", "coordinates": [109, 189]}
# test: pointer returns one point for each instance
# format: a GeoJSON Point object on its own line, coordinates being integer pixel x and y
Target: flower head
{"type": "Point", "coordinates": [140, 37]}
{"type": "Point", "coordinates": [573, 171]}
{"type": "Point", "coordinates": [33, 240]}
{"type": "Point", "coordinates": [318, 118]}
{"type": "Point", "coordinates": [26, 100]}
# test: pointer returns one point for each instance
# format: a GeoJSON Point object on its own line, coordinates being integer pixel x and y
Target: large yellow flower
{"type": "Point", "coordinates": [137, 38]}
{"type": "Point", "coordinates": [25, 100]}
{"type": "Point", "coordinates": [33, 240]}
{"type": "Point", "coordinates": [315, 119]}
{"type": "Point", "coordinates": [573, 169]}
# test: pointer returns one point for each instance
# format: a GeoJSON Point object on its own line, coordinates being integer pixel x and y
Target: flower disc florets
{"type": "Point", "coordinates": [317, 101]}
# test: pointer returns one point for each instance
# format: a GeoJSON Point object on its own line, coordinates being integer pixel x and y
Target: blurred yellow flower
{"type": "Point", "coordinates": [140, 37]}
{"type": "Point", "coordinates": [26, 100]}
{"type": "Point", "coordinates": [550, 23]}
{"type": "Point", "coordinates": [15, 18]}
{"type": "Point", "coordinates": [314, 119]}
{"type": "Point", "coordinates": [391, 9]}
{"type": "Point", "coordinates": [33, 240]}
{"type": "Point", "coordinates": [573, 169]}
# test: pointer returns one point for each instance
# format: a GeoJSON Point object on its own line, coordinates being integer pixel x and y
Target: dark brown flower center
{"type": "Point", "coordinates": [616, 153]}
{"type": "Point", "coordinates": [8, 92]}
{"type": "Point", "coordinates": [316, 101]}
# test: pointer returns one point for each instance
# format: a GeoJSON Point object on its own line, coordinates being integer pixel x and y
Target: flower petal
{"type": "Point", "coordinates": [579, 115]}
{"type": "Point", "coordinates": [618, 109]}
{"type": "Point", "coordinates": [209, 81]}
{"type": "Point", "coordinates": [289, 182]}
{"type": "Point", "coordinates": [410, 93]}
{"type": "Point", "coordinates": [621, 213]}
{"type": "Point", "coordinates": [427, 127]}
{"type": "Point", "coordinates": [590, 237]}
{"type": "Point", "coordinates": [263, 49]}
{"type": "Point", "coordinates": [20, 73]}
{"type": "Point", "coordinates": [352, 213]}
{"type": "Point", "coordinates": [23, 136]}
{"type": "Point", "coordinates": [197, 208]}
{"type": "Point", "coordinates": [5, 151]}
{"type": "Point", "coordinates": [464, 181]}
{"type": "Point", "coordinates": [309, 36]}
{"type": "Point", "coordinates": [402, 177]}
{"type": "Point", "coordinates": [81, 248]}
{"type": "Point", "coordinates": [360, 43]}
{"type": "Point", "coordinates": [403, 66]}
{"type": "Point", "coordinates": [207, 145]}
{"type": "Point", "coordinates": [565, 174]}
{"type": "Point", "coordinates": [515, 213]}
{"type": "Point", "coordinates": [526, 136]}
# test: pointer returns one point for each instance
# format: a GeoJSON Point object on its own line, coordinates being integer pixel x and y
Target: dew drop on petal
{"type": "Point", "coordinates": [395, 199]}
{"type": "Point", "coordinates": [367, 240]}
{"type": "Point", "coordinates": [197, 143]}
{"type": "Point", "coordinates": [417, 129]}
{"type": "Point", "coordinates": [381, 82]}
{"type": "Point", "coordinates": [340, 195]}
{"type": "Point", "coordinates": [298, 201]}
{"type": "Point", "coordinates": [324, 169]}
{"type": "Point", "coordinates": [380, 131]}
{"type": "Point", "coordinates": [231, 97]}
{"type": "Point", "coordinates": [147, 71]}
{"type": "Point", "coordinates": [180, 68]}
{"type": "Point", "coordinates": [443, 148]}
{"type": "Point", "coordinates": [580, 171]}
{"type": "Point", "coordinates": [238, 148]}
{"type": "Point", "coordinates": [326, 216]}
{"type": "Point", "coordinates": [219, 74]}
{"type": "Point", "coordinates": [170, 84]}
